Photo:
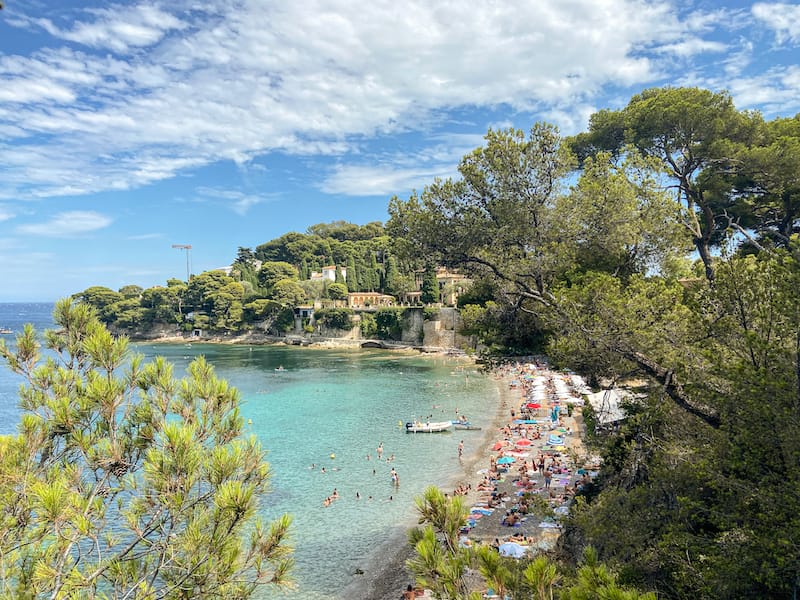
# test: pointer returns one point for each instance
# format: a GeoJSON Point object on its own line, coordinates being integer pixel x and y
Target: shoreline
{"type": "Point", "coordinates": [311, 343]}
{"type": "Point", "coordinates": [386, 574]}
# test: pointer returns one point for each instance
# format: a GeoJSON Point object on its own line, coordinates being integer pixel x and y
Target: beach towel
{"type": "Point", "coordinates": [483, 511]}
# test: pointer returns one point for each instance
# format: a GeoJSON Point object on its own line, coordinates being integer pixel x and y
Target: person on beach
{"type": "Point", "coordinates": [460, 449]}
{"type": "Point", "coordinates": [379, 450]}
{"type": "Point", "coordinates": [395, 478]}
{"type": "Point", "coordinates": [409, 594]}
{"type": "Point", "coordinates": [547, 477]}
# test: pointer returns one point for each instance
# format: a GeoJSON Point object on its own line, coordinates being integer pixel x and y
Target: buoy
{"type": "Point", "coordinates": [333, 456]}
{"type": "Point", "coordinates": [249, 421]}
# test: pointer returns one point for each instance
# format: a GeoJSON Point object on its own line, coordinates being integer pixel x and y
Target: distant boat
{"type": "Point", "coordinates": [5, 330]}
{"type": "Point", "coordinates": [279, 369]}
{"type": "Point", "coordinates": [417, 427]}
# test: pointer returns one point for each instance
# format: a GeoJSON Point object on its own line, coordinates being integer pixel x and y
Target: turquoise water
{"type": "Point", "coordinates": [345, 403]}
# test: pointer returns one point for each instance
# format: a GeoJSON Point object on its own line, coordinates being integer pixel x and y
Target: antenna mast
{"type": "Point", "coordinates": [188, 248]}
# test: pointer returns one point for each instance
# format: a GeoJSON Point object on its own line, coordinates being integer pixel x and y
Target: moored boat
{"type": "Point", "coordinates": [5, 330]}
{"type": "Point", "coordinates": [418, 427]}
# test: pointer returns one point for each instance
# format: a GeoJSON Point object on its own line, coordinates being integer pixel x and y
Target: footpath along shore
{"type": "Point", "coordinates": [534, 447]}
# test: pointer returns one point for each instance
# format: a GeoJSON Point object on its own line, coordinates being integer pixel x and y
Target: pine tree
{"type": "Point", "coordinates": [124, 482]}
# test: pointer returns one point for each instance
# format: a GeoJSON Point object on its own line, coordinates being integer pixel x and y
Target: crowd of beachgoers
{"type": "Point", "coordinates": [537, 460]}
{"type": "Point", "coordinates": [534, 463]}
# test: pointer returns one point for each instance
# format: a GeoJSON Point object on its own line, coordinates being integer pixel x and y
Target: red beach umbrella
{"type": "Point", "coordinates": [497, 446]}
{"type": "Point", "coordinates": [523, 442]}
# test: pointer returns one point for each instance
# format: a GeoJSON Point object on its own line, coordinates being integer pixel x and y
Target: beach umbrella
{"type": "Point", "coordinates": [498, 445]}
{"type": "Point", "coordinates": [523, 442]}
{"type": "Point", "coordinates": [512, 549]}
{"type": "Point", "coordinates": [506, 460]}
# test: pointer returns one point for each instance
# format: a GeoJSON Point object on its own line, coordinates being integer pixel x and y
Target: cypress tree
{"type": "Point", "coordinates": [352, 275]}
{"type": "Point", "coordinates": [390, 282]}
{"type": "Point", "coordinates": [430, 286]}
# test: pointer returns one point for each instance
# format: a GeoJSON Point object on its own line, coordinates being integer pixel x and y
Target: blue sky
{"type": "Point", "coordinates": [128, 127]}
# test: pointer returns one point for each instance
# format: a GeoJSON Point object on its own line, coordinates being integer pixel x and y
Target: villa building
{"type": "Point", "coordinates": [328, 273]}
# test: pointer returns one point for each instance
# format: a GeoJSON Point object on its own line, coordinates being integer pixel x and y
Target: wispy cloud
{"type": "Point", "coordinates": [146, 236]}
{"type": "Point", "coordinates": [67, 224]}
{"type": "Point", "coordinates": [117, 28]}
{"type": "Point", "coordinates": [238, 201]}
{"type": "Point", "coordinates": [782, 18]}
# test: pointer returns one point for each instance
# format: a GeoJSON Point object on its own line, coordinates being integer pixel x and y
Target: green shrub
{"type": "Point", "coordinates": [335, 318]}
{"type": "Point", "coordinates": [431, 313]}
{"type": "Point", "coordinates": [389, 323]}
{"type": "Point", "coordinates": [369, 328]}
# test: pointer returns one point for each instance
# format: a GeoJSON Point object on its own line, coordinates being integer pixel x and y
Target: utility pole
{"type": "Point", "coordinates": [188, 248]}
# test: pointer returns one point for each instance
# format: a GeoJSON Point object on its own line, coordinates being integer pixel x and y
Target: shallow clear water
{"type": "Point", "coordinates": [342, 403]}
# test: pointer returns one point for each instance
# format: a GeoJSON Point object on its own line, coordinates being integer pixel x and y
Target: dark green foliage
{"type": "Point", "coordinates": [430, 286]}
{"type": "Point", "coordinates": [283, 320]}
{"type": "Point", "coordinates": [335, 318]}
{"type": "Point", "coordinates": [392, 275]}
{"type": "Point", "coordinates": [273, 272]}
{"type": "Point", "coordinates": [389, 323]}
{"type": "Point", "coordinates": [353, 276]}
{"type": "Point", "coordinates": [368, 326]}
{"type": "Point", "coordinates": [337, 291]}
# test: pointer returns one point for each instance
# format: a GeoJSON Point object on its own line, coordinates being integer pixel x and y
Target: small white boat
{"type": "Point", "coordinates": [418, 427]}
{"type": "Point", "coordinates": [5, 330]}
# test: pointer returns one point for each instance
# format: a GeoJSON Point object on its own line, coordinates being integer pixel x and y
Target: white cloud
{"type": "Point", "coordinates": [775, 91]}
{"type": "Point", "coordinates": [248, 78]}
{"type": "Point", "coordinates": [378, 180]}
{"type": "Point", "coordinates": [783, 19]}
{"type": "Point", "coordinates": [118, 27]}
{"type": "Point", "coordinates": [145, 236]}
{"type": "Point", "coordinates": [67, 224]}
{"type": "Point", "coordinates": [692, 46]}
{"type": "Point", "coordinates": [238, 201]}
{"type": "Point", "coordinates": [5, 214]}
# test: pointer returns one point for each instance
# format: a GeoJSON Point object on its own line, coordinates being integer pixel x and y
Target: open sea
{"type": "Point", "coordinates": [329, 408]}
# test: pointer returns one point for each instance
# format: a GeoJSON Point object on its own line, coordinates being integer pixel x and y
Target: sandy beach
{"type": "Point", "coordinates": [388, 576]}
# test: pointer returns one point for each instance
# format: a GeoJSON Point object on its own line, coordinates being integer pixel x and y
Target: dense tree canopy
{"type": "Point", "coordinates": [693, 500]}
